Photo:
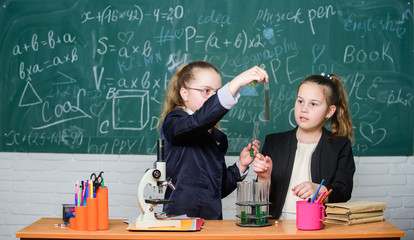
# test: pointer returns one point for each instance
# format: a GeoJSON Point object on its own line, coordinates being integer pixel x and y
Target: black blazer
{"type": "Point", "coordinates": [196, 163]}
{"type": "Point", "coordinates": [332, 160]}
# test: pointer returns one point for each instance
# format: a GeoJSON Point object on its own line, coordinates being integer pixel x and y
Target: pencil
{"type": "Point", "coordinates": [327, 194]}
{"type": "Point", "coordinates": [313, 199]}
{"type": "Point", "coordinates": [320, 197]}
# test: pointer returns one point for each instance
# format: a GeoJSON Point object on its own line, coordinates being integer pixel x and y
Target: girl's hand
{"type": "Point", "coordinates": [245, 159]}
{"type": "Point", "coordinates": [307, 190]}
{"type": "Point", "coordinates": [253, 74]}
{"type": "Point", "coordinates": [263, 166]}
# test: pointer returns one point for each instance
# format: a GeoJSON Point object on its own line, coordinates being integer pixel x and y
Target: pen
{"type": "Point", "coordinates": [83, 196]}
{"type": "Point", "coordinates": [313, 199]}
{"type": "Point", "coordinates": [90, 189]}
{"type": "Point", "coordinates": [320, 197]}
{"type": "Point", "coordinates": [79, 196]}
{"type": "Point", "coordinates": [77, 191]}
{"type": "Point", "coordinates": [86, 193]}
{"type": "Point", "coordinates": [327, 194]}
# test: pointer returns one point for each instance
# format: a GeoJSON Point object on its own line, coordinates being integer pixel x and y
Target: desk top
{"type": "Point", "coordinates": [48, 228]}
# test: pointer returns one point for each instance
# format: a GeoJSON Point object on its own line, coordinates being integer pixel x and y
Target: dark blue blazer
{"type": "Point", "coordinates": [195, 161]}
{"type": "Point", "coordinates": [332, 160]}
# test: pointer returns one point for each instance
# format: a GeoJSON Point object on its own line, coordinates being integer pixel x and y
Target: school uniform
{"type": "Point", "coordinates": [332, 160]}
{"type": "Point", "coordinates": [195, 158]}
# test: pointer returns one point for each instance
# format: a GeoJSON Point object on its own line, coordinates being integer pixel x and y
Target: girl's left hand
{"type": "Point", "coordinates": [307, 190]}
{"type": "Point", "coordinates": [245, 160]}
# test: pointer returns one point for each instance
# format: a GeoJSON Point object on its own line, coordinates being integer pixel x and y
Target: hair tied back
{"type": "Point", "coordinates": [327, 76]}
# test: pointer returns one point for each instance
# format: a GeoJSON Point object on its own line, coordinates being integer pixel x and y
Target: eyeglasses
{"type": "Point", "coordinates": [205, 92]}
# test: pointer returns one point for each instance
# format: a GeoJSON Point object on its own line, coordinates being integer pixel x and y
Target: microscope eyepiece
{"type": "Point", "coordinates": [160, 150]}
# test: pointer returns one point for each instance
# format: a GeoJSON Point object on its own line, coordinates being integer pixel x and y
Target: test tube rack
{"type": "Point", "coordinates": [253, 204]}
{"type": "Point", "coordinates": [256, 214]}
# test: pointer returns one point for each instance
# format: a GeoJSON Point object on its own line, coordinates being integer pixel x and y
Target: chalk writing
{"type": "Point", "coordinates": [385, 24]}
{"type": "Point", "coordinates": [109, 15]}
{"type": "Point", "coordinates": [361, 56]}
{"type": "Point", "coordinates": [93, 78]}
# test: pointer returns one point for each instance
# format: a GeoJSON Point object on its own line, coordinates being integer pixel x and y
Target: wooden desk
{"type": "Point", "coordinates": [46, 228]}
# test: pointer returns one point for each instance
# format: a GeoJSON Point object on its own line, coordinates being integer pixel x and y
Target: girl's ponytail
{"type": "Point", "coordinates": [341, 122]}
{"type": "Point", "coordinates": [173, 98]}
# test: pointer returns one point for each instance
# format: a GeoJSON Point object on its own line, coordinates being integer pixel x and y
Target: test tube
{"type": "Point", "coordinates": [256, 196]}
{"type": "Point", "coordinates": [264, 195]}
{"type": "Point", "coordinates": [244, 196]}
{"type": "Point", "coordinates": [254, 136]}
{"type": "Point", "coordinates": [240, 200]}
{"type": "Point", "coordinates": [267, 110]}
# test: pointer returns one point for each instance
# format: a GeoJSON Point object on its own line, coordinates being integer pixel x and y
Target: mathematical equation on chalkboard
{"type": "Point", "coordinates": [92, 79]}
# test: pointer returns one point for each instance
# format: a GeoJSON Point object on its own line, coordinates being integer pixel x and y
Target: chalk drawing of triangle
{"type": "Point", "coordinates": [29, 96]}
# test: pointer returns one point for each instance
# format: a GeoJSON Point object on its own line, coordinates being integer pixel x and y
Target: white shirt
{"type": "Point", "coordinates": [301, 172]}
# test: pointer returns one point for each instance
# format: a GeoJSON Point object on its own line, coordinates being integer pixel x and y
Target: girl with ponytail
{"type": "Point", "coordinates": [295, 162]}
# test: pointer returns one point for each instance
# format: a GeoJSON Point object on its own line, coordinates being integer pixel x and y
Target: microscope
{"type": "Point", "coordinates": [155, 177]}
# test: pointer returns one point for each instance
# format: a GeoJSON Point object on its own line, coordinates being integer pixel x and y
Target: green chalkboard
{"type": "Point", "coordinates": [81, 76]}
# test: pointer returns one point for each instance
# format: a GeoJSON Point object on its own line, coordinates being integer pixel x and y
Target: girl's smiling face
{"type": "Point", "coordinates": [311, 108]}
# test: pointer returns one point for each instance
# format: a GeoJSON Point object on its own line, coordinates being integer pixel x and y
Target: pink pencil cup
{"type": "Point", "coordinates": [309, 216]}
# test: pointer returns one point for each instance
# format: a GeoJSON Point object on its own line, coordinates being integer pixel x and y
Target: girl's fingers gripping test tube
{"type": "Point", "coordinates": [262, 66]}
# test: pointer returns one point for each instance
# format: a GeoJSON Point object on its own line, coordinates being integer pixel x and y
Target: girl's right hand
{"type": "Point", "coordinates": [253, 74]}
{"type": "Point", "coordinates": [262, 166]}
{"type": "Point", "coordinates": [307, 190]}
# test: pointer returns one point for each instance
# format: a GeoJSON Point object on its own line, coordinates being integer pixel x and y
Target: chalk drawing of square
{"type": "Point", "coordinates": [130, 109]}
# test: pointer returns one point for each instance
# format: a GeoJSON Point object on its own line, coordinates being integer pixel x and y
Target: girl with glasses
{"type": "Point", "coordinates": [194, 147]}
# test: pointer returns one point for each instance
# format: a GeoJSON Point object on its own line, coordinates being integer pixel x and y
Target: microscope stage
{"type": "Point", "coordinates": [158, 201]}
